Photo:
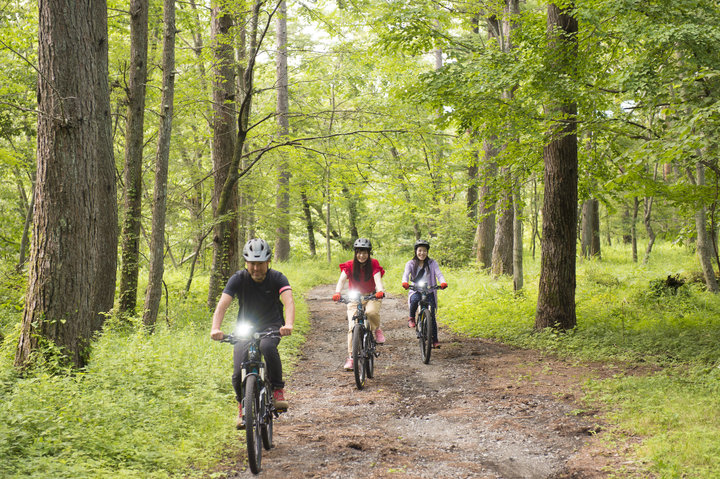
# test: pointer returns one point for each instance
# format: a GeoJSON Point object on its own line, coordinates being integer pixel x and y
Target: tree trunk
{"type": "Point", "coordinates": [502, 253]}
{"type": "Point", "coordinates": [633, 229]}
{"type": "Point", "coordinates": [309, 223]}
{"type": "Point", "coordinates": [486, 208]}
{"type": "Point", "coordinates": [282, 199]}
{"type": "Point", "coordinates": [556, 289]}
{"type": "Point", "coordinates": [73, 256]}
{"type": "Point", "coordinates": [704, 243]}
{"type": "Point", "coordinates": [25, 239]}
{"type": "Point", "coordinates": [225, 235]}
{"type": "Point", "coordinates": [517, 240]}
{"type": "Point", "coordinates": [535, 208]}
{"type": "Point", "coordinates": [157, 241]}
{"type": "Point", "coordinates": [590, 227]}
{"type": "Point", "coordinates": [134, 133]}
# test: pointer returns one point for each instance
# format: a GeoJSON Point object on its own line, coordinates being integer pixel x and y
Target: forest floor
{"type": "Point", "coordinates": [479, 410]}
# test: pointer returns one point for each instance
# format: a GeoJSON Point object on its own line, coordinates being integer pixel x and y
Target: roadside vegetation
{"type": "Point", "coordinates": [161, 405]}
{"type": "Point", "coordinates": [663, 341]}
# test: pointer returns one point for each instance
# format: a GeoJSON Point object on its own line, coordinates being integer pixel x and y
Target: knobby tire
{"type": "Point", "coordinates": [369, 354]}
{"type": "Point", "coordinates": [266, 426]}
{"type": "Point", "coordinates": [425, 335]}
{"type": "Point", "coordinates": [358, 354]}
{"type": "Point", "coordinates": [252, 424]}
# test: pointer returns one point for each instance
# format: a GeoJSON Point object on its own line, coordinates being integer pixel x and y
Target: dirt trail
{"type": "Point", "coordinates": [478, 410]}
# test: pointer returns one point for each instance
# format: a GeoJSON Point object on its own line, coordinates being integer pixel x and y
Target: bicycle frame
{"type": "Point", "coordinates": [364, 352]}
{"type": "Point", "coordinates": [424, 324]}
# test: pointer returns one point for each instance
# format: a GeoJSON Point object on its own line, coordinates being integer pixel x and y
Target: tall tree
{"type": "Point", "coordinates": [134, 134]}
{"type": "Point", "coordinates": [486, 206]}
{"type": "Point", "coordinates": [159, 207]}
{"type": "Point", "coordinates": [73, 261]}
{"type": "Point", "coordinates": [225, 235]}
{"type": "Point", "coordinates": [590, 228]}
{"type": "Point", "coordinates": [704, 243]}
{"type": "Point", "coordinates": [282, 201]}
{"type": "Point", "coordinates": [556, 295]}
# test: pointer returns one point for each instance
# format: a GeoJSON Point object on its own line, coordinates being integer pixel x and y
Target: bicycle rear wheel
{"type": "Point", "coordinates": [358, 355]}
{"type": "Point", "coordinates": [266, 415]}
{"type": "Point", "coordinates": [425, 336]}
{"type": "Point", "coordinates": [252, 424]}
{"type": "Point", "coordinates": [369, 350]}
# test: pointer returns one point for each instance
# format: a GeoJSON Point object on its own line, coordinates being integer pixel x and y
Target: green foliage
{"type": "Point", "coordinates": [628, 318]}
{"type": "Point", "coordinates": [157, 405]}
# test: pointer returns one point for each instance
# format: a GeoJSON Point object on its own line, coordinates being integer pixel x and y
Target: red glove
{"type": "Point", "coordinates": [379, 295]}
{"type": "Point", "coordinates": [336, 297]}
{"type": "Point", "coordinates": [443, 285]}
{"type": "Point", "coordinates": [406, 285]}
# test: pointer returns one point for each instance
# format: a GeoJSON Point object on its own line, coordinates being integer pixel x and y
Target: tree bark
{"type": "Point", "coordinates": [647, 221]}
{"type": "Point", "coordinates": [556, 290]}
{"type": "Point", "coordinates": [502, 253]}
{"type": "Point", "coordinates": [590, 227]}
{"type": "Point", "coordinates": [153, 293]}
{"type": "Point", "coordinates": [73, 255]}
{"type": "Point", "coordinates": [134, 134]}
{"type": "Point", "coordinates": [309, 223]}
{"type": "Point", "coordinates": [633, 229]}
{"type": "Point", "coordinates": [704, 243]}
{"type": "Point", "coordinates": [225, 235]}
{"type": "Point", "coordinates": [486, 208]}
{"type": "Point", "coordinates": [517, 239]}
{"type": "Point", "coordinates": [282, 199]}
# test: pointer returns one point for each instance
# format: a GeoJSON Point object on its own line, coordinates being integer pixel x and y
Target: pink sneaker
{"type": "Point", "coordinates": [348, 364]}
{"type": "Point", "coordinates": [411, 323]}
{"type": "Point", "coordinates": [379, 336]}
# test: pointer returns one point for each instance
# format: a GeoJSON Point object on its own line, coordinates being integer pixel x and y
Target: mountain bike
{"type": "Point", "coordinates": [425, 319]}
{"type": "Point", "coordinates": [258, 408]}
{"type": "Point", "coordinates": [364, 347]}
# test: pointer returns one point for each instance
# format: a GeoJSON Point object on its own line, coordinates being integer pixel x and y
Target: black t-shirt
{"type": "Point", "coordinates": [259, 302]}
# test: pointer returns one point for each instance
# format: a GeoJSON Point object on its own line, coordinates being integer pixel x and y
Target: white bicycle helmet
{"type": "Point", "coordinates": [257, 250]}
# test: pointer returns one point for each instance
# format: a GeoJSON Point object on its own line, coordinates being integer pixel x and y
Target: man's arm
{"type": "Point", "coordinates": [218, 316]}
{"type": "Point", "coordinates": [287, 300]}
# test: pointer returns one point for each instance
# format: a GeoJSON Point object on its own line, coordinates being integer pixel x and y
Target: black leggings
{"type": "Point", "coordinates": [268, 348]}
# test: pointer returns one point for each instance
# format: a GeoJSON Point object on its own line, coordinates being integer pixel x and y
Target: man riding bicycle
{"type": "Point", "coordinates": [262, 292]}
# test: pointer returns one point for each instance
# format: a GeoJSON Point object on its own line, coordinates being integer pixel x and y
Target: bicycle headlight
{"type": "Point", "coordinates": [422, 284]}
{"type": "Point", "coordinates": [354, 295]}
{"type": "Point", "coordinates": [243, 329]}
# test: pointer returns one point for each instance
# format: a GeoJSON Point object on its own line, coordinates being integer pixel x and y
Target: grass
{"type": "Point", "coordinates": [161, 405]}
{"type": "Point", "coordinates": [623, 317]}
{"type": "Point", "coordinates": [149, 406]}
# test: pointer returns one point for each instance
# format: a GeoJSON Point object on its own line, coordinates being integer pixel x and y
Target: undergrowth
{"type": "Point", "coordinates": [147, 405]}
{"type": "Point", "coordinates": [161, 405]}
{"type": "Point", "coordinates": [625, 316]}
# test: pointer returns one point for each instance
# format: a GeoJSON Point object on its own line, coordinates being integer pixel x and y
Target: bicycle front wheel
{"type": "Point", "coordinates": [369, 349]}
{"type": "Point", "coordinates": [425, 334]}
{"type": "Point", "coordinates": [358, 354]}
{"type": "Point", "coordinates": [252, 423]}
{"type": "Point", "coordinates": [266, 415]}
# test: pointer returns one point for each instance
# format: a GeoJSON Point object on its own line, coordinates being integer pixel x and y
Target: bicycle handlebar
{"type": "Point", "coordinates": [369, 296]}
{"type": "Point", "coordinates": [232, 339]}
{"type": "Point", "coordinates": [426, 289]}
